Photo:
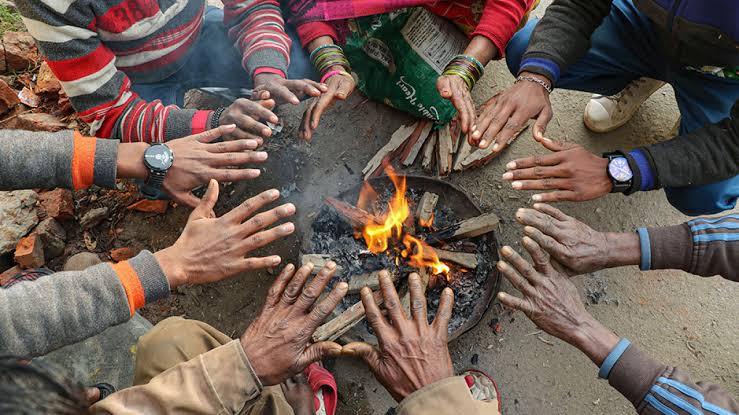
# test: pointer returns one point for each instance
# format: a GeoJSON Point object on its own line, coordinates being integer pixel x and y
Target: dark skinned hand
{"type": "Point", "coordinates": [285, 91]}
{"type": "Point", "coordinates": [277, 343]}
{"type": "Point", "coordinates": [249, 117]}
{"type": "Point", "coordinates": [503, 115]}
{"type": "Point", "coordinates": [552, 302]}
{"type": "Point", "coordinates": [412, 353]}
{"type": "Point", "coordinates": [201, 255]}
{"type": "Point", "coordinates": [571, 173]}
{"type": "Point", "coordinates": [339, 87]}
{"type": "Point", "coordinates": [453, 88]}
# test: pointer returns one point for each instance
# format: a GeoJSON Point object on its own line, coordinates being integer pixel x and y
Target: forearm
{"type": "Point", "coordinates": [499, 21]}
{"type": "Point", "coordinates": [46, 160]}
{"type": "Point", "coordinates": [67, 307]}
{"type": "Point", "coordinates": [482, 49]}
{"type": "Point", "coordinates": [319, 41]}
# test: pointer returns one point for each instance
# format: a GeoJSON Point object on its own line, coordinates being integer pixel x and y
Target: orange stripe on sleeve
{"type": "Point", "coordinates": [83, 161]}
{"type": "Point", "coordinates": [131, 284]}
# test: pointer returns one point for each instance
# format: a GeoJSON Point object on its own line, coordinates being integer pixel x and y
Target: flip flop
{"type": "Point", "coordinates": [482, 386]}
{"type": "Point", "coordinates": [322, 382]}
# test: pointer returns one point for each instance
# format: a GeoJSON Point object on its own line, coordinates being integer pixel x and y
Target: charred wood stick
{"type": "Point", "coordinates": [357, 217]}
{"type": "Point", "coordinates": [319, 261]}
{"type": "Point", "coordinates": [370, 279]}
{"type": "Point", "coordinates": [342, 323]}
{"type": "Point", "coordinates": [426, 208]}
{"type": "Point", "coordinates": [464, 259]}
{"type": "Point", "coordinates": [469, 228]}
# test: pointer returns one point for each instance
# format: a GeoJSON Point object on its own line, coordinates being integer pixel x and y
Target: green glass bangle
{"type": "Point", "coordinates": [478, 65]}
{"type": "Point", "coordinates": [326, 46]}
{"type": "Point", "coordinates": [328, 57]}
{"type": "Point", "coordinates": [468, 65]}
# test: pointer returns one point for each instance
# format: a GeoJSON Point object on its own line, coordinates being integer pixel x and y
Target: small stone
{"type": "Point", "coordinates": [8, 97]}
{"type": "Point", "coordinates": [57, 204]}
{"type": "Point", "coordinates": [21, 52]}
{"type": "Point", "coordinates": [150, 206]}
{"type": "Point", "coordinates": [39, 121]}
{"type": "Point", "coordinates": [18, 217]}
{"type": "Point", "coordinates": [93, 217]}
{"type": "Point", "coordinates": [122, 254]}
{"type": "Point", "coordinates": [29, 98]}
{"type": "Point", "coordinates": [53, 236]}
{"type": "Point", "coordinates": [30, 252]}
{"type": "Point", "coordinates": [475, 359]}
{"type": "Point", "coordinates": [46, 82]}
{"type": "Point", "coordinates": [8, 274]}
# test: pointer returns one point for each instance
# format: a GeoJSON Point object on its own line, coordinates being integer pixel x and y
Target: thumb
{"type": "Point", "coordinates": [364, 351]}
{"type": "Point", "coordinates": [267, 103]}
{"type": "Point", "coordinates": [442, 85]}
{"type": "Point", "coordinates": [210, 135]}
{"type": "Point", "coordinates": [318, 352]}
{"type": "Point", "coordinates": [553, 145]}
{"type": "Point", "coordinates": [540, 125]}
{"type": "Point", "coordinates": [186, 198]}
{"type": "Point", "coordinates": [207, 203]}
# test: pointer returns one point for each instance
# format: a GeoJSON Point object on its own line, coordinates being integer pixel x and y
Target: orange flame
{"type": "Point", "coordinates": [378, 236]}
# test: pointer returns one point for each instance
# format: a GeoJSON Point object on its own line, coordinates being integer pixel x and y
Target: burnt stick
{"type": "Point", "coordinates": [342, 323]}
{"type": "Point", "coordinates": [468, 228]}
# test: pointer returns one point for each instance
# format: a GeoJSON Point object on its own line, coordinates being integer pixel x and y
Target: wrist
{"type": "Point", "coordinates": [171, 266]}
{"type": "Point", "coordinates": [594, 339]}
{"type": "Point", "coordinates": [622, 249]}
{"type": "Point", "coordinates": [265, 77]}
{"type": "Point", "coordinates": [540, 77]}
{"type": "Point", "coordinates": [130, 161]}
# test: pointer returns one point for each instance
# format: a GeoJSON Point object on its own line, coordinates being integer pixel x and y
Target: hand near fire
{"type": "Point", "coordinates": [412, 353]}
{"type": "Point", "coordinates": [285, 91]}
{"type": "Point", "coordinates": [277, 343]}
{"type": "Point", "coordinates": [339, 86]}
{"type": "Point", "coordinates": [249, 117]}
{"type": "Point", "coordinates": [454, 89]}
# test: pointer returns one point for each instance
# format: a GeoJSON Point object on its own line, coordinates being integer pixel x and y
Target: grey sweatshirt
{"type": "Point", "coordinates": [61, 309]}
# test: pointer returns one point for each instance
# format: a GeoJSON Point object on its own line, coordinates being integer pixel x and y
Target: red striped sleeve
{"type": "Point", "coordinates": [120, 18]}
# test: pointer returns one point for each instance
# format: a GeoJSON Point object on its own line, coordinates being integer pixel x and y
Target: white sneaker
{"type": "Point", "coordinates": [606, 113]}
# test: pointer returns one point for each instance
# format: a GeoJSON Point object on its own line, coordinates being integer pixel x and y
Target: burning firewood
{"type": "Point", "coordinates": [370, 279]}
{"type": "Point", "coordinates": [429, 151]}
{"type": "Point", "coordinates": [389, 150]}
{"type": "Point", "coordinates": [415, 142]}
{"type": "Point", "coordinates": [444, 153]}
{"type": "Point", "coordinates": [464, 259]}
{"type": "Point", "coordinates": [357, 217]}
{"type": "Point", "coordinates": [481, 157]}
{"type": "Point", "coordinates": [426, 207]}
{"type": "Point", "coordinates": [342, 323]}
{"type": "Point", "coordinates": [319, 261]}
{"type": "Point", "coordinates": [469, 228]}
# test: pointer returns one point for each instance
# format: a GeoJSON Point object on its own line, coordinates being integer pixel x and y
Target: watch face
{"type": "Point", "coordinates": [619, 169]}
{"type": "Point", "coordinates": [158, 157]}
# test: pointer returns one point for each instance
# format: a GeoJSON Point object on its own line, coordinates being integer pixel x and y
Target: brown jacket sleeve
{"type": "Point", "coordinates": [657, 389]}
{"type": "Point", "coordinates": [220, 381]}
{"type": "Point", "coordinates": [702, 246]}
{"type": "Point", "coordinates": [449, 396]}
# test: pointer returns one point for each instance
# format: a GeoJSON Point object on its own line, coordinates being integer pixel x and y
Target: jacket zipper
{"type": "Point", "coordinates": [671, 15]}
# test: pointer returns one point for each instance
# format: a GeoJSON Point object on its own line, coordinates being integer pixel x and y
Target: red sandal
{"type": "Point", "coordinates": [326, 397]}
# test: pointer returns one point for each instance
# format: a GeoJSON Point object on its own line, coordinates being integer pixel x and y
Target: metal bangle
{"type": "Point", "coordinates": [215, 119]}
{"type": "Point", "coordinates": [534, 80]}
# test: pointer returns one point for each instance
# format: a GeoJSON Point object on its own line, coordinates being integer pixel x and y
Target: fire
{"type": "Point", "coordinates": [378, 236]}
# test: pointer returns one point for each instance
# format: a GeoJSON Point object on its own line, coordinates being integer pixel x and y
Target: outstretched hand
{"type": "Point", "coordinates": [201, 255]}
{"type": "Point", "coordinates": [412, 353]}
{"type": "Point", "coordinates": [571, 173]}
{"type": "Point", "coordinates": [277, 343]}
{"type": "Point", "coordinates": [285, 91]}
{"type": "Point", "coordinates": [339, 86]}
{"type": "Point", "coordinates": [453, 88]}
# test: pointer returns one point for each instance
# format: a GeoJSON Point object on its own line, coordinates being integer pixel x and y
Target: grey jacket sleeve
{"type": "Point", "coordinates": [44, 160]}
{"type": "Point", "coordinates": [37, 317]}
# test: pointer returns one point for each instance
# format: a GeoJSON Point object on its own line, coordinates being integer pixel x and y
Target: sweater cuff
{"type": "Point", "coordinates": [106, 159]}
{"type": "Point", "coordinates": [646, 174]}
{"type": "Point", "coordinates": [671, 247]}
{"type": "Point", "coordinates": [83, 161]}
{"type": "Point", "coordinates": [267, 69]}
{"type": "Point", "coordinates": [265, 57]}
{"type": "Point", "coordinates": [450, 395]}
{"type": "Point", "coordinates": [143, 280]}
{"type": "Point", "coordinates": [634, 373]}
{"type": "Point", "coordinates": [200, 121]}
{"type": "Point", "coordinates": [179, 123]}
{"type": "Point", "coordinates": [541, 66]}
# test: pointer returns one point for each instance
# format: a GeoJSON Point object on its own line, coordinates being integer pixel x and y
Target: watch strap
{"type": "Point", "coordinates": [152, 188]}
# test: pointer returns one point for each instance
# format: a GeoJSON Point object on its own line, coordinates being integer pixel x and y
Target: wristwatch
{"type": "Point", "coordinates": [158, 158]}
{"type": "Point", "coordinates": [619, 172]}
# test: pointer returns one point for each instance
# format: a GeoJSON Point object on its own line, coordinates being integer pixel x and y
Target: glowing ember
{"type": "Point", "coordinates": [378, 236]}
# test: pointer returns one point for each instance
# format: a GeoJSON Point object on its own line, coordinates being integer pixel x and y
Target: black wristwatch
{"type": "Point", "coordinates": [619, 172]}
{"type": "Point", "coordinates": [158, 158]}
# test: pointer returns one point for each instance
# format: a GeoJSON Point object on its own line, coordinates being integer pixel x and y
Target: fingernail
{"type": "Point", "coordinates": [475, 134]}
{"type": "Point", "coordinates": [517, 185]}
{"type": "Point", "coordinates": [266, 132]}
{"type": "Point", "coordinates": [261, 155]}
{"type": "Point", "coordinates": [511, 165]}
{"type": "Point", "coordinates": [507, 251]}
{"type": "Point", "coordinates": [527, 241]}
{"type": "Point", "coordinates": [289, 267]}
{"type": "Point", "coordinates": [254, 172]}
{"type": "Point", "coordinates": [273, 193]}
{"type": "Point", "coordinates": [536, 198]}
{"type": "Point", "coordinates": [528, 230]}
{"type": "Point", "coordinates": [507, 176]}
{"type": "Point", "coordinates": [483, 143]}
{"type": "Point", "coordinates": [501, 295]}
{"type": "Point", "coordinates": [229, 127]}
{"type": "Point", "coordinates": [342, 286]}
{"type": "Point", "coordinates": [546, 139]}
{"type": "Point", "coordinates": [519, 212]}
{"type": "Point", "coordinates": [496, 146]}
{"type": "Point", "coordinates": [537, 206]}
{"type": "Point", "coordinates": [276, 260]}
{"type": "Point", "coordinates": [288, 209]}
{"type": "Point", "coordinates": [331, 265]}
{"type": "Point", "coordinates": [309, 265]}
{"type": "Point", "coordinates": [288, 227]}
{"type": "Point", "coordinates": [252, 144]}
{"type": "Point", "coordinates": [501, 265]}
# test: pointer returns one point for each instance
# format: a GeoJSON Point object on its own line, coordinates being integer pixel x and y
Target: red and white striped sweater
{"type": "Point", "coordinates": [96, 47]}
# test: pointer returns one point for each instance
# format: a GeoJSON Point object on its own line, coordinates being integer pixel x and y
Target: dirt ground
{"type": "Point", "coordinates": [678, 318]}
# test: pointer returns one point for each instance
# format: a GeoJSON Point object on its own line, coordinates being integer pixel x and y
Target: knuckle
{"type": "Point", "coordinates": [538, 172]}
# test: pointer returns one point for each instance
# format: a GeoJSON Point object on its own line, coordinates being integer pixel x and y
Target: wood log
{"type": "Point", "coordinates": [444, 153]}
{"type": "Point", "coordinates": [468, 228]}
{"type": "Point", "coordinates": [370, 279]}
{"type": "Point", "coordinates": [429, 152]}
{"type": "Point", "coordinates": [388, 151]}
{"type": "Point", "coordinates": [481, 157]}
{"type": "Point", "coordinates": [464, 259]}
{"type": "Point", "coordinates": [426, 208]}
{"type": "Point", "coordinates": [357, 217]}
{"type": "Point", "coordinates": [465, 148]}
{"type": "Point", "coordinates": [319, 261]}
{"type": "Point", "coordinates": [415, 143]}
{"type": "Point", "coordinates": [342, 323]}
{"type": "Point", "coordinates": [457, 137]}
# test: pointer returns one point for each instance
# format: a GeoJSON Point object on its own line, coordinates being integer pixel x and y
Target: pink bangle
{"type": "Point", "coordinates": [332, 73]}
